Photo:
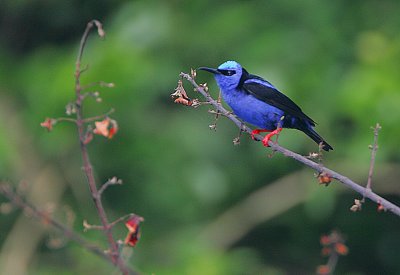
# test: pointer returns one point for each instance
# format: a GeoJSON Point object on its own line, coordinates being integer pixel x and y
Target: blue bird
{"type": "Point", "coordinates": [258, 102]}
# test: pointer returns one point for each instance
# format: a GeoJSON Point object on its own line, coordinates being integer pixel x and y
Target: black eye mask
{"type": "Point", "coordinates": [227, 72]}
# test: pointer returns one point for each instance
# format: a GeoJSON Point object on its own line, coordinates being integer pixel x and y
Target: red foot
{"type": "Point", "coordinates": [270, 135]}
{"type": "Point", "coordinates": [258, 131]}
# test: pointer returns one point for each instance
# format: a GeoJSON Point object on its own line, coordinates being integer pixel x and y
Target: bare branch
{"type": "Point", "coordinates": [94, 118]}
{"type": "Point", "coordinates": [120, 219]}
{"type": "Point", "coordinates": [87, 166]}
{"type": "Point", "coordinates": [374, 148]}
{"type": "Point", "coordinates": [99, 83]}
{"type": "Point", "coordinates": [59, 119]}
{"type": "Point", "coordinates": [19, 202]}
{"type": "Point", "coordinates": [85, 35]}
{"type": "Point", "coordinates": [276, 147]}
{"type": "Point", "coordinates": [112, 181]}
{"type": "Point", "coordinates": [87, 226]}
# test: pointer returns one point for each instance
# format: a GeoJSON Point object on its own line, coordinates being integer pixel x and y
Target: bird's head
{"type": "Point", "coordinates": [227, 75]}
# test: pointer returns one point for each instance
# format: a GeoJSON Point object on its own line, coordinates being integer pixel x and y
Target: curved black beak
{"type": "Point", "coordinates": [211, 70]}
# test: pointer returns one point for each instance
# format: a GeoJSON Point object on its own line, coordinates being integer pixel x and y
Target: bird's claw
{"type": "Point", "coordinates": [256, 132]}
{"type": "Point", "coordinates": [265, 141]}
{"type": "Point", "coordinates": [268, 137]}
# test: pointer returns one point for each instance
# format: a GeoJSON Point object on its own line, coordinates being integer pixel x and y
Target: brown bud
{"type": "Point", "coordinates": [324, 178]}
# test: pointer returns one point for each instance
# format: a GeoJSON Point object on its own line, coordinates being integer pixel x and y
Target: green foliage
{"type": "Point", "coordinates": [339, 60]}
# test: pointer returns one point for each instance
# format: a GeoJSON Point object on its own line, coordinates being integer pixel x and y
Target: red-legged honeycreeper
{"type": "Point", "coordinates": [258, 102]}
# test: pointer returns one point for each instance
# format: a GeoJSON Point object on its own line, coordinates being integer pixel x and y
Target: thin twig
{"type": "Point", "coordinates": [316, 166]}
{"type": "Point", "coordinates": [87, 226]}
{"type": "Point", "coordinates": [85, 35]}
{"type": "Point", "coordinates": [87, 166]}
{"type": "Point", "coordinates": [374, 148]}
{"type": "Point", "coordinates": [332, 262]}
{"type": "Point", "coordinates": [94, 118]}
{"type": "Point", "coordinates": [120, 219]}
{"type": "Point", "coordinates": [112, 181]}
{"type": "Point", "coordinates": [65, 119]}
{"type": "Point", "coordinates": [98, 83]}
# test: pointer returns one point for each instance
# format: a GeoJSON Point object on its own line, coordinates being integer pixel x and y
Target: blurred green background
{"type": "Point", "coordinates": [209, 207]}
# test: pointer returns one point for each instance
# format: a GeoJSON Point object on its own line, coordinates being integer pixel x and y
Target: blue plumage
{"type": "Point", "coordinates": [257, 101]}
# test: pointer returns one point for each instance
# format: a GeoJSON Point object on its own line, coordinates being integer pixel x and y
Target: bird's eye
{"type": "Point", "coordinates": [227, 72]}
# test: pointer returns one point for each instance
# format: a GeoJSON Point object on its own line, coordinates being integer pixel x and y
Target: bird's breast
{"type": "Point", "coordinates": [252, 110]}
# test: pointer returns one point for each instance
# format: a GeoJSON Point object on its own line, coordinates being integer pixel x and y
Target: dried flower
{"type": "Point", "coordinates": [183, 101]}
{"type": "Point", "coordinates": [113, 128]}
{"type": "Point", "coordinates": [107, 128]}
{"type": "Point", "coordinates": [341, 248]}
{"type": "Point", "coordinates": [332, 246]}
{"type": "Point", "coordinates": [204, 86]}
{"type": "Point", "coordinates": [213, 126]}
{"type": "Point", "coordinates": [333, 242]}
{"type": "Point", "coordinates": [325, 240]}
{"type": "Point", "coordinates": [236, 141]}
{"type": "Point", "coordinates": [324, 178]}
{"type": "Point", "coordinates": [195, 103]}
{"type": "Point", "coordinates": [101, 31]}
{"type": "Point", "coordinates": [181, 96]}
{"type": "Point", "coordinates": [356, 206]}
{"type": "Point", "coordinates": [48, 123]}
{"type": "Point", "coordinates": [381, 208]}
{"type": "Point", "coordinates": [193, 73]}
{"type": "Point", "coordinates": [133, 230]}
{"type": "Point", "coordinates": [115, 180]}
{"type": "Point", "coordinates": [101, 127]}
{"type": "Point", "coordinates": [323, 270]}
{"type": "Point", "coordinates": [70, 108]}
{"type": "Point", "coordinates": [313, 155]}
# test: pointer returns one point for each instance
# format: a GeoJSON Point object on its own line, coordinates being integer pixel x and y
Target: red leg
{"type": "Point", "coordinates": [270, 135]}
{"type": "Point", "coordinates": [257, 131]}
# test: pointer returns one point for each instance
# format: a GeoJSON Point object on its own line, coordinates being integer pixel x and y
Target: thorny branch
{"type": "Point", "coordinates": [366, 192]}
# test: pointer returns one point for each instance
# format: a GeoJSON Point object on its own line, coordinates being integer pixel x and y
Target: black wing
{"type": "Point", "coordinates": [269, 94]}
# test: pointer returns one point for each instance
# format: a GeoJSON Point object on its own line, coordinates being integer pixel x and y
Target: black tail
{"type": "Point", "coordinates": [317, 138]}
